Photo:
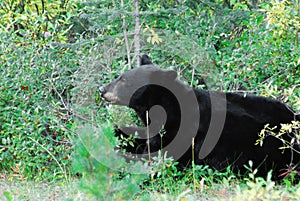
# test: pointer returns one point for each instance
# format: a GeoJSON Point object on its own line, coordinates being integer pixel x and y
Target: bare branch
{"type": "Point", "coordinates": [126, 37]}
{"type": "Point", "coordinates": [137, 33]}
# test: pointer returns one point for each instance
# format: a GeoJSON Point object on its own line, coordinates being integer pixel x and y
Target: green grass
{"type": "Point", "coordinates": [235, 190]}
{"type": "Point", "coordinates": [28, 190]}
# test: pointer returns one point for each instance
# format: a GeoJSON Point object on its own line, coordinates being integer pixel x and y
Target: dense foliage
{"type": "Point", "coordinates": [55, 53]}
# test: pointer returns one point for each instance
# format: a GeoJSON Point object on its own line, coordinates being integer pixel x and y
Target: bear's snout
{"type": "Point", "coordinates": [107, 95]}
{"type": "Point", "coordinates": [102, 91]}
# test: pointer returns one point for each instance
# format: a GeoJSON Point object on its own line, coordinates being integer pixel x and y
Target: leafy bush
{"type": "Point", "coordinates": [292, 130]}
{"type": "Point", "coordinates": [35, 123]}
{"type": "Point", "coordinates": [264, 189]}
{"type": "Point", "coordinates": [36, 19]}
{"type": "Point", "coordinates": [105, 174]}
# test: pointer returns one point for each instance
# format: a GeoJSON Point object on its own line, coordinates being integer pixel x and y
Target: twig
{"type": "Point", "coordinates": [125, 36]}
{"type": "Point", "coordinates": [193, 164]}
{"type": "Point", "coordinates": [61, 168]}
{"type": "Point", "coordinates": [137, 33]}
{"type": "Point", "coordinates": [193, 75]}
{"type": "Point", "coordinates": [148, 135]}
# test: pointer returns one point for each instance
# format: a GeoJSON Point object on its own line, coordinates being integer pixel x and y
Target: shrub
{"type": "Point", "coordinates": [34, 116]}
{"type": "Point", "coordinates": [104, 174]}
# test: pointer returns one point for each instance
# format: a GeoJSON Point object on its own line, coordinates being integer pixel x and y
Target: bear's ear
{"type": "Point", "coordinates": [145, 60]}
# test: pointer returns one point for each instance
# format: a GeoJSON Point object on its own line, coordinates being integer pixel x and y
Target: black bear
{"type": "Point", "coordinates": [209, 127]}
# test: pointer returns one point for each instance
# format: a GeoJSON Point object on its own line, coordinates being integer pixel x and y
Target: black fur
{"type": "Point", "coordinates": [145, 60]}
{"type": "Point", "coordinates": [246, 115]}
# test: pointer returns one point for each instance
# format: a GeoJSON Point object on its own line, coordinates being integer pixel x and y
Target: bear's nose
{"type": "Point", "coordinates": [101, 90]}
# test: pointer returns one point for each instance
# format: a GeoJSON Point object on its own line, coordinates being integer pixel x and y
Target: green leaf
{"type": "Point", "coordinates": [8, 196]}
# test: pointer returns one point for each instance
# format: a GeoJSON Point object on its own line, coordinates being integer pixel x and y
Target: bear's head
{"type": "Point", "coordinates": [135, 82]}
